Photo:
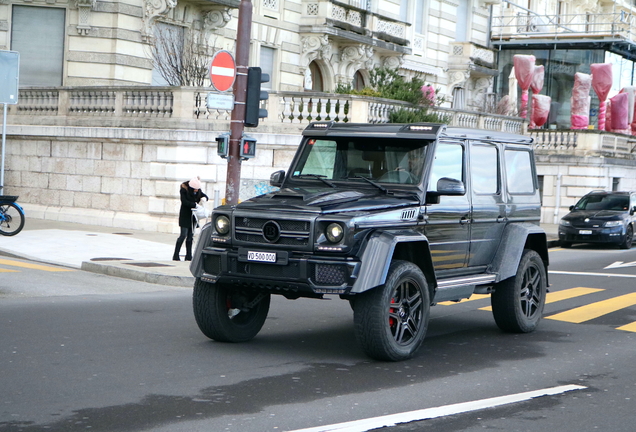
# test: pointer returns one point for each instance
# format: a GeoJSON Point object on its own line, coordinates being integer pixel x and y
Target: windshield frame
{"type": "Point", "coordinates": [368, 151]}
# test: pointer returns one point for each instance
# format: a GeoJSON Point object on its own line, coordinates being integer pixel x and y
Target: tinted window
{"type": "Point", "coordinates": [603, 202]}
{"type": "Point", "coordinates": [449, 162]}
{"type": "Point", "coordinates": [519, 173]}
{"type": "Point", "coordinates": [484, 169]}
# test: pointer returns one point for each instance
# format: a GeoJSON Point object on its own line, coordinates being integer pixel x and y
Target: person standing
{"type": "Point", "coordinates": [191, 195]}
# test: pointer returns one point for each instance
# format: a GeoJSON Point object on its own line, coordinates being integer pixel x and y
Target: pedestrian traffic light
{"type": "Point", "coordinates": [254, 96]}
{"type": "Point", "coordinates": [223, 145]}
{"type": "Point", "coordinates": [248, 147]}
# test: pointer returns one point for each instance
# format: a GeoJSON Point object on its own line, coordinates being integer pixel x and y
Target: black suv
{"type": "Point", "coordinates": [393, 218]}
{"type": "Point", "coordinates": [600, 217]}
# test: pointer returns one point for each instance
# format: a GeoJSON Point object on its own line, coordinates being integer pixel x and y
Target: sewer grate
{"type": "Point", "coordinates": [124, 233]}
{"type": "Point", "coordinates": [148, 264]}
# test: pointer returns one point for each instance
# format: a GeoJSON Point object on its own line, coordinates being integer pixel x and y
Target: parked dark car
{"type": "Point", "coordinates": [600, 217]}
{"type": "Point", "coordinates": [393, 218]}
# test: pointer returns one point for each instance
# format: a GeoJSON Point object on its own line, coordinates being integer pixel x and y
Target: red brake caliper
{"type": "Point", "coordinates": [392, 320]}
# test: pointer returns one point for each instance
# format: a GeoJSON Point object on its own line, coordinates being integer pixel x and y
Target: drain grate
{"type": "Point", "coordinates": [123, 233]}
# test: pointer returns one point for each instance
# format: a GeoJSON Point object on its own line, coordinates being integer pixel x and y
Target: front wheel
{"type": "Point", "coordinates": [391, 320]}
{"type": "Point", "coordinates": [517, 302]}
{"type": "Point", "coordinates": [229, 315]}
{"type": "Point", "coordinates": [11, 219]}
{"type": "Point", "coordinates": [628, 239]}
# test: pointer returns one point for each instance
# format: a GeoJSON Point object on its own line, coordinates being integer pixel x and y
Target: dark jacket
{"type": "Point", "coordinates": [189, 200]}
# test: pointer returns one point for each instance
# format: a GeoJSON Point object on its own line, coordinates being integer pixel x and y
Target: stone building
{"type": "Point", "coordinates": [99, 135]}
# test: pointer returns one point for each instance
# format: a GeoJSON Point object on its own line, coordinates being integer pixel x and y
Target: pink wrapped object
{"type": "Point", "coordinates": [620, 116]}
{"type": "Point", "coordinates": [580, 101]}
{"type": "Point", "coordinates": [608, 118]}
{"type": "Point", "coordinates": [524, 69]}
{"type": "Point", "coordinates": [602, 83]}
{"type": "Point", "coordinates": [537, 79]}
{"type": "Point", "coordinates": [540, 109]}
{"type": "Point", "coordinates": [429, 93]}
{"type": "Point", "coordinates": [631, 92]}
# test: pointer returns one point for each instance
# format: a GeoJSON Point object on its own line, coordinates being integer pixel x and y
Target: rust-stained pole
{"type": "Point", "coordinates": [243, 35]}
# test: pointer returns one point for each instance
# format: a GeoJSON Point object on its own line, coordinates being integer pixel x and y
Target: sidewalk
{"type": "Point", "coordinates": [132, 254]}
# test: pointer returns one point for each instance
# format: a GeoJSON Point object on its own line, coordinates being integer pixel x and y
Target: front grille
{"type": "Point", "coordinates": [291, 271]}
{"type": "Point", "coordinates": [292, 232]}
{"type": "Point", "coordinates": [329, 274]}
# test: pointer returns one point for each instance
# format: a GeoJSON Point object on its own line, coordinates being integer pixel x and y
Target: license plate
{"type": "Point", "coordinates": [584, 232]}
{"type": "Point", "coordinates": [261, 256]}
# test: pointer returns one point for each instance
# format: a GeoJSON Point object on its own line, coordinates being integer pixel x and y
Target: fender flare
{"type": "Point", "coordinates": [379, 251]}
{"type": "Point", "coordinates": [515, 239]}
{"type": "Point", "coordinates": [196, 265]}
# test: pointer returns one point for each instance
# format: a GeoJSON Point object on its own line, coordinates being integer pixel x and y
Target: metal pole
{"type": "Point", "coordinates": [244, 30]}
{"type": "Point", "coordinates": [4, 135]}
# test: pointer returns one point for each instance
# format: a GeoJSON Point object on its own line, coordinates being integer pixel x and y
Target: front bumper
{"type": "Point", "coordinates": [591, 235]}
{"type": "Point", "coordinates": [293, 275]}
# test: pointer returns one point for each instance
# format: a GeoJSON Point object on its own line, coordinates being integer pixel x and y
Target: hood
{"type": "Point", "coordinates": [595, 214]}
{"type": "Point", "coordinates": [326, 200]}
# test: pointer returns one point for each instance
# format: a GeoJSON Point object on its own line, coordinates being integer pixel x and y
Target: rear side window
{"type": "Point", "coordinates": [484, 169]}
{"type": "Point", "coordinates": [519, 174]}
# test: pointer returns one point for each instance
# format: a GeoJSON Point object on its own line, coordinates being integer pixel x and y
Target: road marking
{"type": "Point", "coordinates": [595, 310]}
{"type": "Point", "coordinates": [33, 266]}
{"type": "Point", "coordinates": [619, 264]}
{"type": "Point", "coordinates": [590, 274]}
{"type": "Point", "coordinates": [565, 294]}
{"type": "Point", "coordinates": [629, 327]}
{"type": "Point", "coordinates": [7, 270]}
{"type": "Point", "coordinates": [431, 413]}
{"type": "Point", "coordinates": [472, 297]}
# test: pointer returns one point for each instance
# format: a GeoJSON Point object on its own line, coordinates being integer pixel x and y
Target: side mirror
{"type": "Point", "coordinates": [632, 211]}
{"type": "Point", "coordinates": [446, 186]}
{"type": "Point", "coordinates": [571, 208]}
{"type": "Point", "coordinates": [450, 186]}
{"type": "Point", "coordinates": [276, 179]}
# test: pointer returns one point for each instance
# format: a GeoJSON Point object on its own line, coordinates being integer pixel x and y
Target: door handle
{"type": "Point", "coordinates": [501, 219]}
{"type": "Point", "coordinates": [464, 220]}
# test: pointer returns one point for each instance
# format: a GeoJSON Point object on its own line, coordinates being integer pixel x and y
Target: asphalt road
{"type": "Point", "coordinates": [80, 351]}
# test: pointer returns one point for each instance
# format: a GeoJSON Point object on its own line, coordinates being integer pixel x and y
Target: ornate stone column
{"type": "Point", "coordinates": [152, 10]}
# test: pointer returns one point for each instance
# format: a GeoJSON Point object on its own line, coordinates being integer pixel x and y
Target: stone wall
{"type": "Point", "coordinates": [83, 175]}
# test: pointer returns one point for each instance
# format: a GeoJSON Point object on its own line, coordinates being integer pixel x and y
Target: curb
{"type": "Point", "coordinates": [115, 268]}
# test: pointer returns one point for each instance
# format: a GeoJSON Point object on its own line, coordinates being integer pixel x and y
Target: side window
{"type": "Point", "coordinates": [448, 162]}
{"type": "Point", "coordinates": [321, 159]}
{"type": "Point", "coordinates": [632, 201]}
{"type": "Point", "coordinates": [484, 169]}
{"type": "Point", "coordinates": [519, 173]}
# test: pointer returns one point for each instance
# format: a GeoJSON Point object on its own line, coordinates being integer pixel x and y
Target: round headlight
{"type": "Point", "coordinates": [334, 232]}
{"type": "Point", "coordinates": [222, 224]}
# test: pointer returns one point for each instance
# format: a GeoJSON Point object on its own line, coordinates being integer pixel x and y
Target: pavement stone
{"type": "Point", "coordinates": [132, 254]}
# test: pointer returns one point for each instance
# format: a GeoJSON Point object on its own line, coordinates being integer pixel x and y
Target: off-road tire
{"type": "Point", "coordinates": [391, 320]}
{"type": "Point", "coordinates": [212, 303]}
{"type": "Point", "coordinates": [517, 302]}
{"type": "Point", "coordinates": [628, 239]}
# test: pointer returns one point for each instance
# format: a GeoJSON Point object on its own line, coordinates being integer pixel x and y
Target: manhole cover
{"type": "Point", "coordinates": [123, 233]}
{"type": "Point", "coordinates": [110, 259]}
{"type": "Point", "coordinates": [149, 264]}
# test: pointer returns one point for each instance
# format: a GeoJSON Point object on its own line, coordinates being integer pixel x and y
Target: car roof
{"type": "Point", "coordinates": [410, 131]}
{"type": "Point", "coordinates": [604, 192]}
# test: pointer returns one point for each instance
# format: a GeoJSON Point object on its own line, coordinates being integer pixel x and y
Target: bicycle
{"type": "Point", "coordinates": [11, 215]}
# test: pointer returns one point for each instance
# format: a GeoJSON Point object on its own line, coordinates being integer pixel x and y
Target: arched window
{"type": "Point", "coordinates": [358, 81]}
{"type": "Point", "coordinates": [316, 77]}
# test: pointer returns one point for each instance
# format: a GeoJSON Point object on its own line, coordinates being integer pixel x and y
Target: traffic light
{"type": "Point", "coordinates": [254, 96]}
{"type": "Point", "coordinates": [223, 145]}
{"type": "Point", "coordinates": [248, 147]}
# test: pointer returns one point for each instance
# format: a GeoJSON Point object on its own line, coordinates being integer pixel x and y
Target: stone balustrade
{"type": "Point", "coordinates": [584, 143]}
{"type": "Point", "coordinates": [185, 108]}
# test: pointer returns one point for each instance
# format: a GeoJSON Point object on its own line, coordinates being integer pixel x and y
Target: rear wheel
{"type": "Point", "coordinates": [11, 219]}
{"type": "Point", "coordinates": [391, 320]}
{"type": "Point", "coordinates": [517, 302]}
{"type": "Point", "coordinates": [628, 239]}
{"type": "Point", "coordinates": [229, 315]}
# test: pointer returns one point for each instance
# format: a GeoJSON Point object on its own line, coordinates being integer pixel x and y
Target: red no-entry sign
{"type": "Point", "coordinates": [222, 71]}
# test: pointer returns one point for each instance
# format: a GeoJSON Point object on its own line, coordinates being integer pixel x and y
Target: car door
{"type": "Point", "coordinates": [488, 205]}
{"type": "Point", "coordinates": [448, 222]}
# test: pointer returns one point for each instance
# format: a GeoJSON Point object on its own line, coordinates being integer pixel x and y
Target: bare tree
{"type": "Point", "coordinates": [181, 56]}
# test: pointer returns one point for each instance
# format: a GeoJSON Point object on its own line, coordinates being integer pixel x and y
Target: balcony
{"type": "Point", "coordinates": [185, 108]}
{"type": "Point", "coordinates": [351, 22]}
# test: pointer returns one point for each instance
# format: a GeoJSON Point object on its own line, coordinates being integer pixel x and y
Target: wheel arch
{"type": "Point", "coordinates": [196, 265]}
{"type": "Point", "coordinates": [385, 246]}
{"type": "Point", "coordinates": [515, 239]}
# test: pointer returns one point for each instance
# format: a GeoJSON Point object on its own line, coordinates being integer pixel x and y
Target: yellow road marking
{"type": "Point", "coordinates": [562, 295]}
{"type": "Point", "coordinates": [33, 266]}
{"type": "Point", "coordinates": [629, 327]}
{"type": "Point", "coordinates": [7, 270]}
{"type": "Point", "coordinates": [472, 297]}
{"type": "Point", "coordinates": [595, 310]}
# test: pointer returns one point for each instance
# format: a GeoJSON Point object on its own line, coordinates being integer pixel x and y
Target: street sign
{"type": "Point", "coordinates": [222, 71]}
{"type": "Point", "coordinates": [9, 65]}
{"type": "Point", "coordinates": [220, 101]}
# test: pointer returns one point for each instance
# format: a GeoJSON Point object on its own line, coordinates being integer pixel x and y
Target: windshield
{"type": "Point", "coordinates": [603, 202]}
{"type": "Point", "coordinates": [381, 160]}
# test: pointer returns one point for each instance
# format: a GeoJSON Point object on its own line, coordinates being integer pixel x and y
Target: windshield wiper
{"type": "Point", "coordinates": [379, 186]}
{"type": "Point", "coordinates": [317, 176]}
